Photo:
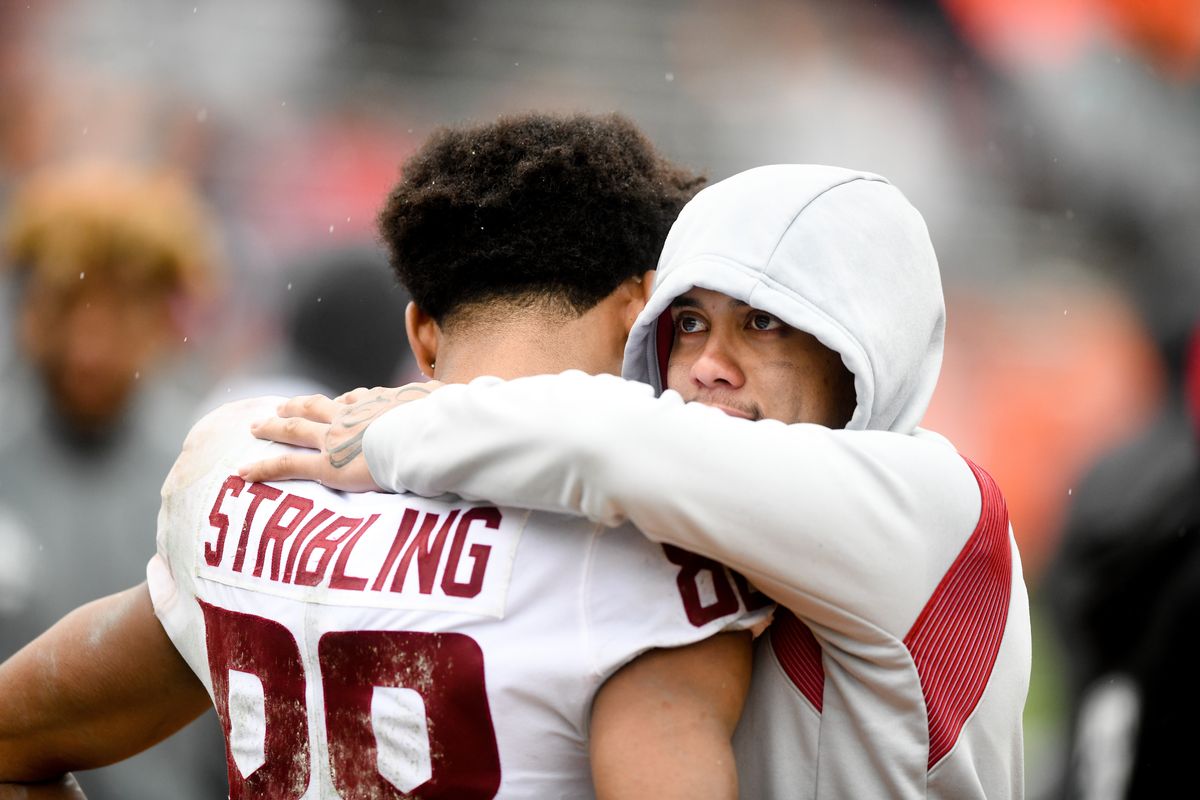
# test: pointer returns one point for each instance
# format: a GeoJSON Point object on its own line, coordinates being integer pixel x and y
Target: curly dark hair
{"type": "Point", "coordinates": [534, 208]}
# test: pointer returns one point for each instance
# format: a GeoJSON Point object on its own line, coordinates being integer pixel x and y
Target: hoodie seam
{"type": "Point", "coordinates": [783, 234]}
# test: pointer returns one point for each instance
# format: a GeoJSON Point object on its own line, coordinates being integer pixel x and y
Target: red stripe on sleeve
{"type": "Point", "coordinates": [955, 640]}
{"type": "Point", "coordinates": [800, 655]}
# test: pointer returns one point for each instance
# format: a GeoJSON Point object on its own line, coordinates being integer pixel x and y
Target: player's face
{"type": "Point", "coordinates": [91, 344]}
{"type": "Point", "coordinates": [749, 364]}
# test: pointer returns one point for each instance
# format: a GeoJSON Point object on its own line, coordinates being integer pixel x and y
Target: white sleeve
{"type": "Point", "coordinates": [638, 595]}
{"type": "Point", "coordinates": [846, 528]}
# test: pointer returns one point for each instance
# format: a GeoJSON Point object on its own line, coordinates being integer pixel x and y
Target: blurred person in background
{"type": "Point", "coordinates": [106, 261]}
{"type": "Point", "coordinates": [1124, 592]}
{"type": "Point", "coordinates": [336, 299]}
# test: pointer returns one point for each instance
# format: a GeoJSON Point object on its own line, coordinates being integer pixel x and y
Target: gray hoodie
{"type": "Point", "coordinates": [834, 252]}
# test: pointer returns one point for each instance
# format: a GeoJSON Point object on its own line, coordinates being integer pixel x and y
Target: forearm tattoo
{"type": "Point", "coordinates": [358, 418]}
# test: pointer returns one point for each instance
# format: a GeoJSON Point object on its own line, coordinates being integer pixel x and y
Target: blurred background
{"type": "Point", "coordinates": [1052, 145]}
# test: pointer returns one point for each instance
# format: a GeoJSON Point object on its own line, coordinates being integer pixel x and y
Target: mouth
{"type": "Point", "coordinates": [750, 413]}
{"type": "Point", "coordinates": [733, 412]}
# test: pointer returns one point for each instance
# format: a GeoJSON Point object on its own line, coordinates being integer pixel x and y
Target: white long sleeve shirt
{"type": "Point", "coordinates": [901, 665]}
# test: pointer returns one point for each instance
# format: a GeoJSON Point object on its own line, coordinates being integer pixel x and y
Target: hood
{"type": "Point", "coordinates": [837, 253]}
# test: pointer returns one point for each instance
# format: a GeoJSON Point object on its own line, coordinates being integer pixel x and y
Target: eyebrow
{"type": "Point", "coordinates": [683, 301]}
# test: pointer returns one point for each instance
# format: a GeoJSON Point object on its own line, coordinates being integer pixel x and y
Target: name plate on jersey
{"type": "Point", "coordinates": [392, 551]}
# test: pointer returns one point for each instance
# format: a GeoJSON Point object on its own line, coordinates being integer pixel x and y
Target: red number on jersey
{"type": "Point", "coordinates": [267, 650]}
{"type": "Point", "coordinates": [692, 567]}
{"type": "Point", "coordinates": [444, 669]}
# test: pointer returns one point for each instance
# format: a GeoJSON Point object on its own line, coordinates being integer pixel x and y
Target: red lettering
{"type": "Point", "coordinates": [479, 554]}
{"type": "Point", "coordinates": [277, 533]}
{"type": "Point", "coordinates": [340, 579]}
{"type": "Point", "coordinates": [428, 555]}
{"type": "Point", "coordinates": [261, 492]}
{"type": "Point", "coordinates": [298, 542]}
{"type": "Point", "coordinates": [214, 550]}
{"type": "Point", "coordinates": [407, 523]}
{"type": "Point", "coordinates": [326, 542]}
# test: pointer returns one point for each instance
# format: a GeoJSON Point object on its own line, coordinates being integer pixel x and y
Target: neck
{"type": "Point", "coordinates": [520, 346]}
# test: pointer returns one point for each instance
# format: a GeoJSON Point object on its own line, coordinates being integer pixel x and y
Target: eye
{"type": "Point", "coordinates": [690, 323]}
{"type": "Point", "coordinates": [761, 321]}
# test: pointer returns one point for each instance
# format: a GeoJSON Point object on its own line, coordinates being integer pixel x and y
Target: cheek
{"type": "Point", "coordinates": [679, 375]}
{"type": "Point", "coordinates": [781, 396]}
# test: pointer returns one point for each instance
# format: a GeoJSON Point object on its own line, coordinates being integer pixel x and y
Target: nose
{"type": "Point", "coordinates": [717, 365]}
{"type": "Point", "coordinates": [89, 337]}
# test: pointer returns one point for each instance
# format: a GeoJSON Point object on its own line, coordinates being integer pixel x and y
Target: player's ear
{"type": "Point", "coordinates": [639, 289]}
{"type": "Point", "coordinates": [424, 335]}
{"type": "Point", "coordinates": [648, 285]}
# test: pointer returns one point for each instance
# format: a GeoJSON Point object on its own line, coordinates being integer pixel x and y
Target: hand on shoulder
{"type": "Point", "coordinates": [334, 430]}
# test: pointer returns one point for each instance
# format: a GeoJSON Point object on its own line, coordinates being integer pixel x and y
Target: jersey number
{"type": "Point", "coordinates": [698, 576]}
{"type": "Point", "coordinates": [445, 669]}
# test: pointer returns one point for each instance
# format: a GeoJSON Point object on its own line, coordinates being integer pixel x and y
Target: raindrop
{"type": "Point", "coordinates": [137, 375]}
{"type": "Point", "coordinates": [81, 276]}
{"type": "Point", "coordinates": [1064, 312]}
{"type": "Point", "coordinates": [289, 286]}
{"type": "Point", "coordinates": [202, 115]}
{"type": "Point", "coordinates": [85, 130]}
{"type": "Point", "coordinates": [185, 340]}
{"type": "Point", "coordinates": [670, 76]}
{"type": "Point", "coordinates": [331, 229]}
{"type": "Point", "coordinates": [1068, 491]}
{"type": "Point", "coordinates": [318, 299]}
{"type": "Point", "coordinates": [347, 219]}
{"type": "Point", "coordinates": [282, 103]}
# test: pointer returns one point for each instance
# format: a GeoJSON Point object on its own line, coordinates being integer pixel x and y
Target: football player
{"type": "Point", "coordinates": [392, 646]}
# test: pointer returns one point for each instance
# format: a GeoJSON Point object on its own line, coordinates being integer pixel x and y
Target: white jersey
{"type": "Point", "coordinates": [392, 646]}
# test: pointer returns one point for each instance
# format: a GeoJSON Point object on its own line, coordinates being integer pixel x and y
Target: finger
{"type": "Point", "coordinates": [316, 407]}
{"type": "Point", "coordinates": [292, 430]}
{"type": "Point", "coordinates": [353, 396]}
{"type": "Point", "coordinates": [305, 466]}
